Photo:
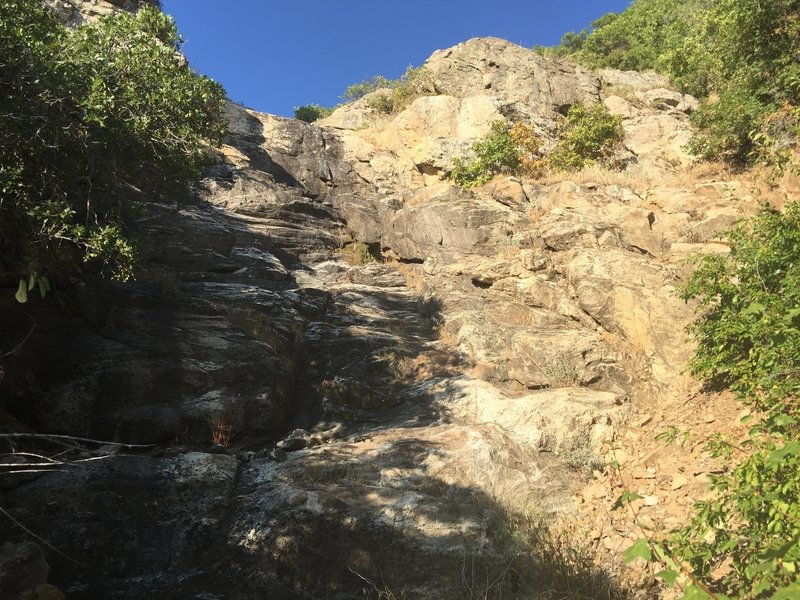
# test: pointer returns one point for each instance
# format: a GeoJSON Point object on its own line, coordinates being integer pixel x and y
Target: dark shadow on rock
{"type": "Point", "coordinates": [292, 152]}
{"type": "Point", "coordinates": [368, 361]}
{"type": "Point", "coordinates": [201, 526]}
{"type": "Point", "coordinates": [250, 316]}
{"type": "Point", "coordinates": [252, 146]}
{"type": "Point", "coordinates": [424, 539]}
{"type": "Point", "coordinates": [215, 318]}
{"type": "Point", "coordinates": [207, 328]}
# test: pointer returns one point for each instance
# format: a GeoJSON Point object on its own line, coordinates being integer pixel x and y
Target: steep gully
{"type": "Point", "coordinates": [247, 310]}
{"type": "Point", "coordinates": [415, 402]}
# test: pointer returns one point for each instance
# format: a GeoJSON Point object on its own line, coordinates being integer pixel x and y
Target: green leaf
{"type": "Point", "coordinates": [692, 592]}
{"type": "Point", "coordinates": [22, 292]}
{"type": "Point", "coordinates": [782, 420]}
{"type": "Point", "coordinates": [640, 549]}
{"type": "Point", "coordinates": [668, 576]}
{"type": "Point", "coordinates": [624, 498]}
{"type": "Point", "coordinates": [44, 287]}
{"type": "Point", "coordinates": [790, 592]}
{"type": "Point", "coordinates": [776, 457]}
{"type": "Point", "coordinates": [31, 281]}
{"type": "Point", "coordinates": [662, 555]}
{"type": "Point", "coordinates": [779, 552]}
{"type": "Point", "coordinates": [754, 309]}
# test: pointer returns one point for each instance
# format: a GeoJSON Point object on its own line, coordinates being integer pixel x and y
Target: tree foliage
{"type": "Point", "coordinates": [744, 542]}
{"type": "Point", "coordinates": [587, 135]}
{"type": "Point", "coordinates": [312, 112]}
{"type": "Point", "coordinates": [91, 117]}
{"type": "Point", "coordinates": [743, 56]}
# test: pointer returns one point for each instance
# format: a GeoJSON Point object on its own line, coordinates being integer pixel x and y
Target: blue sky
{"type": "Point", "coordinates": [273, 55]}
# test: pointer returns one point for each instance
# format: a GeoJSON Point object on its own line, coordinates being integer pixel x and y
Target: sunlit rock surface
{"type": "Point", "coordinates": [399, 364]}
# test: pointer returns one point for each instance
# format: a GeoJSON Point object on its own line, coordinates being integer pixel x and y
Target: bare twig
{"type": "Point", "coordinates": [38, 537]}
{"type": "Point", "coordinates": [21, 465]}
{"type": "Point", "coordinates": [16, 348]}
{"type": "Point", "coordinates": [50, 470]}
{"type": "Point", "coordinates": [71, 438]}
{"type": "Point", "coordinates": [39, 456]}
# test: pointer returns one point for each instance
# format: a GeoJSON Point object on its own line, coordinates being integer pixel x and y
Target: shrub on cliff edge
{"type": "Point", "coordinates": [90, 118]}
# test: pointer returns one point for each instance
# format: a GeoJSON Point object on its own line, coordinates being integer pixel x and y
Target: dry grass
{"type": "Point", "coordinates": [357, 254]}
{"type": "Point", "coordinates": [632, 351]}
{"type": "Point", "coordinates": [642, 181]}
{"type": "Point", "coordinates": [562, 559]}
{"type": "Point", "coordinates": [411, 272]}
{"type": "Point", "coordinates": [626, 92]}
{"type": "Point", "coordinates": [561, 370]}
{"type": "Point", "coordinates": [633, 178]}
{"type": "Point", "coordinates": [340, 473]}
{"type": "Point", "coordinates": [582, 456]}
{"type": "Point", "coordinates": [226, 422]}
{"type": "Point", "coordinates": [446, 337]}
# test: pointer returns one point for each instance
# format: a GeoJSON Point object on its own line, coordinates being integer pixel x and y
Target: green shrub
{"type": "Point", "coordinates": [312, 112]}
{"type": "Point", "coordinates": [381, 102]}
{"type": "Point", "coordinates": [506, 148]}
{"type": "Point", "coordinates": [727, 126]}
{"type": "Point", "coordinates": [401, 92]}
{"type": "Point", "coordinates": [744, 542]}
{"type": "Point", "coordinates": [748, 338]}
{"type": "Point", "coordinates": [358, 253]}
{"type": "Point", "coordinates": [743, 51]}
{"type": "Point", "coordinates": [748, 300]}
{"type": "Point", "coordinates": [90, 118]}
{"type": "Point", "coordinates": [587, 135]}
{"type": "Point", "coordinates": [359, 90]}
{"type": "Point", "coordinates": [494, 153]}
{"type": "Point", "coordinates": [412, 84]}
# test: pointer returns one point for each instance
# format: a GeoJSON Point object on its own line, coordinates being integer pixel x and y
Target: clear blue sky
{"type": "Point", "coordinates": [273, 55]}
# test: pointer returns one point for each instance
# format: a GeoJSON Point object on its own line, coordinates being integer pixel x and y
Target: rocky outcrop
{"type": "Point", "coordinates": [350, 370]}
{"type": "Point", "coordinates": [23, 573]}
{"type": "Point", "coordinates": [524, 85]}
{"type": "Point", "coordinates": [73, 12]}
{"type": "Point", "coordinates": [488, 79]}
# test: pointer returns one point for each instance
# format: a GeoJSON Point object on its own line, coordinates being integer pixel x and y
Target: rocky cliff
{"type": "Point", "coordinates": [74, 12]}
{"type": "Point", "coordinates": [400, 366]}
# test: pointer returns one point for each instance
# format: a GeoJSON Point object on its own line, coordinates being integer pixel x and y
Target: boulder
{"type": "Point", "coordinates": [22, 568]}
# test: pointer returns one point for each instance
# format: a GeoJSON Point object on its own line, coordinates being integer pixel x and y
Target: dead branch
{"type": "Point", "coordinates": [72, 438]}
{"type": "Point", "coordinates": [38, 537]}
{"type": "Point", "coordinates": [16, 348]}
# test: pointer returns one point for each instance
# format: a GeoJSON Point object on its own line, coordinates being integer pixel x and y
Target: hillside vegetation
{"type": "Point", "coordinates": [741, 56]}
{"type": "Point", "coordinates": [90, 118]}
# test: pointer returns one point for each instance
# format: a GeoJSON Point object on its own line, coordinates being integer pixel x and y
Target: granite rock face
{"type": "Point", "coordinates": [525, 85]}
{"type": "Point", "coordinates": [489, 79]}
{"type": "Point", "coordinates": [394, 363]}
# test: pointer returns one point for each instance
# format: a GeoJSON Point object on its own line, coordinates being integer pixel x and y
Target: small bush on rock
{"type": "Point", "coordinates": [505, 149]}
{"type": "Point", "coordinates": [587, 135]}
{"type": "Point", "coordinates": [397, 94]}
{"type": "Point", "coordinates": [381, 102]}
{"type": "Point", "coordinates": [359, 90]}
{"type": "Point", "coordinates": [312, 112]}
{"type": "Point", "coordinates": [529, 150]}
